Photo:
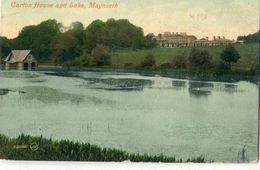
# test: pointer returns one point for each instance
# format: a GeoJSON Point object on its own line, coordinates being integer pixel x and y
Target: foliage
{"type": "Point", "coordinates": [4, 47]}
{"type": "Point", "coordinates": [65, 48]}
{"type": "Point", "coordinates": [230, 54]}
{"type": "Point", "coordinates": [65, 150]}
{"type": "Point", "coordinates": [95, 34]}
{"type": "Point", "coordinates": [116, 34]}
{"type": "Point", "coordinates": [179, 62]}
{"type": "Point", "coordinates": [199, 59]}
{"type": "Point", "coordinates": [149, 61]}
{"type": "Point", "coordinates": [100, 56]}
{"type": "Point", "coordinates": [84, 59]}
{"type": "Point", "coordinates": [200, 64]}
{"type": "Point", "coordinates": [251, 38]}
{"type": "Point", "coordinates": [50, 40]}
{"type": "Point", "coordinates": [249, 56]}
{"type": "Point", "coordinates": [38, 38]}
{"type": "Point", "coordinates": [222, 68]}
{"type": "Point", "coordinates": [149, 41]}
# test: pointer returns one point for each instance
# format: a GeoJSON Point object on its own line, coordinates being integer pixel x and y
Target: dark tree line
{"type": "Point", "coordinates": [50, 40]}
{"type": "Point", "coordinates": [251, 38]}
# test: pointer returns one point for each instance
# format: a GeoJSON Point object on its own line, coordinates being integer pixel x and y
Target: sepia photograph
{"type": "Point", "coordinates": [170, 81]}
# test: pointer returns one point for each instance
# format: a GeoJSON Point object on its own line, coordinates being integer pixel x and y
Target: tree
{"type": "Point", "coordinates": [95, 34]}
{"type": "Point", "coordinates": [78, 32]}
{"type": "Point", "coordinates": [200, 63]}
{"type": "Point", "coordinates": [77, 25]}
{"type": "Point", "coordinates": [149, 41]}
{"type": "Point", "coordinates": [4, 47]}
{"type": "Point", "coordinates": [116, 34]}
{"type": "Point", "coordinates": [230, 54]}
{"type": "Point", "coordinates": [65, 48]}
{"type": "Point", "coordinates": [69, 45]}
{"type": "Point", "coordinates": [38, 38]}
{"type": "Point", "coordinates": [149, 61]}
{"type": "Point", "coordinates": [251, 38]}
{"type": "Point", "coordinates": [100, 56]}
{"type": "Point", "coordinates": [50, 40]}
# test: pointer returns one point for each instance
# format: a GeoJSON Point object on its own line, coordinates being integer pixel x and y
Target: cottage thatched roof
{"type": "Point", "coordinates": [18, 55]}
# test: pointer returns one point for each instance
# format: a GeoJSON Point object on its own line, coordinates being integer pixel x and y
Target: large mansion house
{"type": "Point", "coordinates": [169, 39]}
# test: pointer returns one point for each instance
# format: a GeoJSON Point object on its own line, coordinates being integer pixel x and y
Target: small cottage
{"type": "Point", "coordinates": [21, 59]}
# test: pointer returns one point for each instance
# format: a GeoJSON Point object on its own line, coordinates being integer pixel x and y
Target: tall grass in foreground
{"type": "Point", "coordinates": [26, 147]}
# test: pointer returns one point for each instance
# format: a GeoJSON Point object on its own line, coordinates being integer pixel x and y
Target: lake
{"type": "Point", "coordinates": [136, 113]}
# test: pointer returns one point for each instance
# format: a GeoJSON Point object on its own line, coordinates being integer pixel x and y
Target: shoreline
{"type": "Point", "coordinates": [178, 74]}
{"type": "Point", "coordinates": [27, 147]}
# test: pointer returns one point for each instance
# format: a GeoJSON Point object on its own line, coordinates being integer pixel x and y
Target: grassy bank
{"type": "Point", "coordinates": [174, 62]}
{"type": "Point", "coordinates": [26, 147]}
{"type": "Point", "coordinates": [131, 59]}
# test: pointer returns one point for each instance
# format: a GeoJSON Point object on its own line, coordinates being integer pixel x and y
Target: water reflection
{"type": "Point", "coordinates": [49, 95]}
{"type": "Point", "coordinates": [62, 74]}
{"type": "Point", "coordinates": [112, 84]}
{"type": "Point", "coordinates": [36, 80]}
{"type": "Point", "coordinates": [178, 85]}
{"type": "Point", "coordinates": [19, 74]}
{"type": "Point", "coordinates": [200, 89]}
{"type": "Point", "coordinates": [228, 88]}
{"type": "Point", "coordinates": [231, 88]}
{"type": "Point", "coordinates": [7, 91]}
{"type": "Point", "coordinates": [4, 91]}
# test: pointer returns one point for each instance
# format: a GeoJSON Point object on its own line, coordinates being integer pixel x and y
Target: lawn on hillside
{"type": "Point", "coordinates": [249, 56]}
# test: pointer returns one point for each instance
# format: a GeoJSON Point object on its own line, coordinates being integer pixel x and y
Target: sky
{"type": "Point", "coordinates": [229, 18]}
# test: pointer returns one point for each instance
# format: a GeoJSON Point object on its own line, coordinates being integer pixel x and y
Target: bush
{"type": "Point", "coordinates": [230, 54]}
{"type": "Point", "coordinates": [100, 56]}
{"type": "Point", "coordinates": [128, 64]}
{"type": "Point", "coordinates": [84, 59]}
{"type": "Point", "coordinates": [199, 61]}
{"type": "Point", "coordinates": [149, 61]}
{"type": "Point", "coordinates": [222, 69]}
{"type": "Point", "coordinates": [179, 62]}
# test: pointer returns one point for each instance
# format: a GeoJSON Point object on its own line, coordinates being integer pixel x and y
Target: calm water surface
{"type": "Point", "coordinates": [132, 112]}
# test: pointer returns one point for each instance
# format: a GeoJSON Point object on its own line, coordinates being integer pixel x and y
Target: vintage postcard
{"type": "Point", "coordinates": [171, 81]}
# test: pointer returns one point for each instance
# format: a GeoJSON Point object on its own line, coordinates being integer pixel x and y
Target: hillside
{"type": "Point", "coordinates": [249, 55]}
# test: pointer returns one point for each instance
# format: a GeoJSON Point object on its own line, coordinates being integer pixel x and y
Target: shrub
{"type": "Point", "coordinates": [128, 64]}
{"type": "Point", "coordinates": [222, 68]}
{"type": "Point", "coordinates": [230, 54]}
{"type": "Point", "coordinates": [199, 61]}
{"type": "Point", "coordinates": [149, 61]}
{"type": "Point", "coordinates": [179, 62]}
{"type": "Point", "coordinates": [84, 59]}
{"type": "Point", "coordinates": [100, 56]}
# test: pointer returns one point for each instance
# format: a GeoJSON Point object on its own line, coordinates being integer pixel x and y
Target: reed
{"type": "Point", "coordinates": [26, 147]}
